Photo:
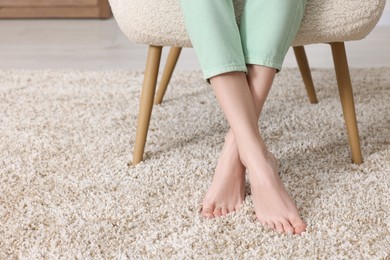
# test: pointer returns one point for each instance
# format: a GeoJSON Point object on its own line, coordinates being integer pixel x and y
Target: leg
{"type": "Point", "coordinates": [273, 205]}
{"type": "Point", "coordinates": [230, 172]}
{"type": "Point", "coordinates": [146, 103]}
{"type": "Point", "coordinates": [304, 68]}
{"type": "Point", "coordinates": [219, 51]}
{"type": "Point", "coordinates": [214, 34]}
{"type": "Point", "coordinates": [173, 56]}
{"type": "Point", "coordinates": [268, 46]}
{"type": "Point", "coordinates": [346, 96]}
{"type": "Point", "coordinates": [215, 37]}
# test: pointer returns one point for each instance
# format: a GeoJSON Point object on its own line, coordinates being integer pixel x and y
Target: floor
{"type": "Point", "coordinates": [99, 44]}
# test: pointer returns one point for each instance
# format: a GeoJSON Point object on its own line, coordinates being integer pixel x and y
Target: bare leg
{"type": "Point", "coordinates": [273, 206]}
{"type": "Point", "coordinates": [227, 190]}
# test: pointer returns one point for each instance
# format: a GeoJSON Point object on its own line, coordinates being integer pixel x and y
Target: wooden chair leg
{"type": "Point", "coordinates": [170, 65]}
{"type": "Point", "coordinates": [304, 68]}
{"type": "Point", "coordinates": [346, 96]}
{"type": "Point", "coordinates": [146, 101]}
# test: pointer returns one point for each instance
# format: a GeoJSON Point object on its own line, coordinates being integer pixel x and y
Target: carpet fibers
{"type": "Point", "coordinates": [66, 190]}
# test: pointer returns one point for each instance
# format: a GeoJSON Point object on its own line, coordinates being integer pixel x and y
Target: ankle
{"type": "Point", "coordinates": [252, 150]}
{"type": "Point", "coordinates": [230, 140]}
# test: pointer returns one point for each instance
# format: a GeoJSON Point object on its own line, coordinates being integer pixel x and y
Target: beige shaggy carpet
{"type": "Point", "coordinates": [66, 190]}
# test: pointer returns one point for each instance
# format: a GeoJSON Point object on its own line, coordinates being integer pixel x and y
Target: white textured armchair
{"type": "Point", "coordinates": [160, 23]}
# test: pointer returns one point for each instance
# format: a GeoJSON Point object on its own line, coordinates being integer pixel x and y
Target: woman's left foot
{"type": "Point", "coordinates": [273, 206]}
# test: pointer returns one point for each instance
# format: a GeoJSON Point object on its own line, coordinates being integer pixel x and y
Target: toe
{"type": "Point", "coordinates": [238, 207]}
{"type": "Point", "coordinates": [271, 225]}
{"type": "Point", "coordinates": [224, 211]}
{"type": "Point", "coordinates": [298, 225]}
{"type": "Point", "coordinates": [279, 227]}
{"type": "Point", "coordinates": [231, 209]}
{"type": "Point", "coordinates": [263, 222]}
{"type": "Point", "coordinates": [217, 212]}
{"type": "Point", "coordinates": [287, 227]}
{"type": "Point", "coordinates": [208, 212]}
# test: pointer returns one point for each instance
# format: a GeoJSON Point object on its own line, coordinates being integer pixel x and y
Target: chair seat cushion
{"type": "Point", "coordinates": [160, 22]}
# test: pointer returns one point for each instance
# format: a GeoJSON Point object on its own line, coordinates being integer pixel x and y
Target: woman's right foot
{"type": "Point", "coordinates": [227, 191]}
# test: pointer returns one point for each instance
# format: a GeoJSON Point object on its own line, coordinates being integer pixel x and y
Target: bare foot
{"type": "Point", "coordinates": [227, 191]}
{"type": "Point", "coordinates": [273, 206]}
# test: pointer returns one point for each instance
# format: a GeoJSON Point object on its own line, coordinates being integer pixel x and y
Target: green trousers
{"type": "Point", "coordinates": [264, 34]}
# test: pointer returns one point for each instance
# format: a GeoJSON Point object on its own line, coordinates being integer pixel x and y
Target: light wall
{"type": "Point", "coordinates": [385, 19]}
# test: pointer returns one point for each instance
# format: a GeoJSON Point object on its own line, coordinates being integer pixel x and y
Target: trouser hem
{"type": "Point", "coordinates": [272, 63]}
{"type": "Point", "coordinates": [207, 74]}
